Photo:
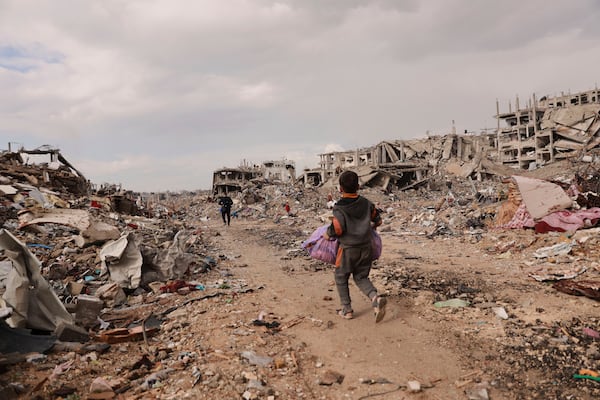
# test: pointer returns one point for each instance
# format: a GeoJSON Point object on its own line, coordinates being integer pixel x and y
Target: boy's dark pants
{"type": "Point", "coordinates": [226, 212]}
{"type": "Point", "coordinates": [356, 261]}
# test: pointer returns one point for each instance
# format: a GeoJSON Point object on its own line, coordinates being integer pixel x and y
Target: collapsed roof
{"type": "Point", "coordinates": [43, 166]}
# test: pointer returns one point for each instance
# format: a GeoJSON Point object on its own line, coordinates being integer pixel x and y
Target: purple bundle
{"type": "Point", "coordinates": [326, 250]}
{"type": "Point", "coordinates": [376, 244]}
{"type": "Point", "coordinates": [319, 248]}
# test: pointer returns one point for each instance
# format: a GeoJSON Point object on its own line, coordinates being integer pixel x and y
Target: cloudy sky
{"type": "Point", "coordinates": [156, 94]}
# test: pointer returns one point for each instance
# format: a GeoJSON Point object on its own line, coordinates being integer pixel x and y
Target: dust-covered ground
{"type": "Point", "coordinates": [264, 325]}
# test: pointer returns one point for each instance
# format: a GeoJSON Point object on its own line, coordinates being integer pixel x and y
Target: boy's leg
{"type": "Point", "coordinates": [228, 217]}
{"type": "Point", "coordinates": [341, 282]}
{"type": "Point", "coordinates": [223, 216]}
{"type": "Point", "coordinates": [361, 272]}
{"type": "Point", "coordinates": [361, 278]}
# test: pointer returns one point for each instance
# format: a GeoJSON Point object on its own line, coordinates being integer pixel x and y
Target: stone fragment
{"type": "Point", "coordinates": [87, 310]}
{"type": "Point", "coordinates": [330, 377]}
{"type": "Point", "coordinates": [413, 386]}
{"type": "Point", "coordinates": [71, 333]}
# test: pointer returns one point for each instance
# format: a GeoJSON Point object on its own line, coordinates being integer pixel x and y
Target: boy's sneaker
{"type": "Point", "coordinates": [378, 304]}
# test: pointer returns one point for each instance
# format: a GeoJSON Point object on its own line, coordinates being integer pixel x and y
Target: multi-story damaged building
{"type": "Point", "coordinates": [546, 130]}
{"type": "Point", "coordinates": [230, 180]}
{"type": "Point", "coordinates": [402, 163]}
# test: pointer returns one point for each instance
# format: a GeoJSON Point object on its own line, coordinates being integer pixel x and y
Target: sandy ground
{"type": "Point", "coordinates": [456, 351]}
{"type": "Point", "coordinates": [402, 347]}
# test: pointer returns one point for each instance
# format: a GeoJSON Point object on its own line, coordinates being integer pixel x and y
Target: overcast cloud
{"type": "Point", "coordinates": [157, 94]}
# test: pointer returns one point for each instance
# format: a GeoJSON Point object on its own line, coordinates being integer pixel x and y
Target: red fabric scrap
{"type": "Point", "coordinates": [174, 286]}
{"type": "Point", "coordinates": [568, 221]}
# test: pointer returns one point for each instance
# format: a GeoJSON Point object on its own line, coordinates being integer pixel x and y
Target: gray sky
{"type": "Point", "coordinates": [156, 94]}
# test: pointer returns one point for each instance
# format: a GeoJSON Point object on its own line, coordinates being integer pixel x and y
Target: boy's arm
{"type": "Point", "coordinates": [375, 216]}
{"type": "Point", "coordinates": [334, 230]}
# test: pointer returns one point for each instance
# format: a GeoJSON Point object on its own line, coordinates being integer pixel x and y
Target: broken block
{"type": "Point", "coordinates": [413, 386]}
{"type": "Point", "coordinates": [71, 333]}
{"type": "Point", "coordinates": [87, 310]}
{"type": "Point", "coordinates": [75, 288]}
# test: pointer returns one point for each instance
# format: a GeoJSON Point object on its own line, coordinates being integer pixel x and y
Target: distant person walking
{"type": "Point", "coordinates": [225, 202]}
{"type": "Point", "coordinates": [353, 219]}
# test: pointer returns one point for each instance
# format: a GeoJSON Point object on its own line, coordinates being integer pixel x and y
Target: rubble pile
{"type": "Point", "coordinates": [83, 282]}
{"type": "Point", "coordinates": [103, 299]}
{"type": "Point", "coordinates": [57, 174]}
{"type": "Point", "coordinates": [531, 341]}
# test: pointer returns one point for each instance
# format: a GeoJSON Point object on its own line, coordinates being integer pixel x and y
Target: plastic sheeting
{"type": "Point", "coordinates": [35, 304]}
{"type": "Point", "coordinates": [175, 261]}
{"type": "Point", "coordinates": [22, 341]}
{"type": "Point", "coordinates": [320, 248]}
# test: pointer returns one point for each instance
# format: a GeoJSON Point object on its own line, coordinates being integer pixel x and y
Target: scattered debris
{"type": "Point", "coordinates": [137, 272]}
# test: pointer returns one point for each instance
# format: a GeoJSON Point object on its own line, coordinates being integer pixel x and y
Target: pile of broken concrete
{"type": "Point", "coordinates": [67, 257]}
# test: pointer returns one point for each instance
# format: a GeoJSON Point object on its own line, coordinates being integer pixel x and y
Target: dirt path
{"type": "Point", "coordinates": [532, 352]}
{"type": "Point", "coordinates": [403, 347]}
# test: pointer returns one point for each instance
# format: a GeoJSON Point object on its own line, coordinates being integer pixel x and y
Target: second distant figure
{"type": "Point", "coordinates": [225, 202]}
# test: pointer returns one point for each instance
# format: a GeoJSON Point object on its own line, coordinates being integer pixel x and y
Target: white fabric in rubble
{"type": "Point", "coordinates": [175, 261]}
{"type": "Point", "coordinates": [122, 260]}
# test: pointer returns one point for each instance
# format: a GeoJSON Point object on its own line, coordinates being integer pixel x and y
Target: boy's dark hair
{"type": "Point", "coordinates": [349, 181]}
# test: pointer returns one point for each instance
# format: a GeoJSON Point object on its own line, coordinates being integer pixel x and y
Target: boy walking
{"type": "Point", "coordinates": [353, 218]}
{"type": "Point", "coordinates": [225, 202]}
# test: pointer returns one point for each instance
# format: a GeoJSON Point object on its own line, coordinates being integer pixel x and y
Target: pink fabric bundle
{"type": "Point", "coordinates": [565, 221]}
{"type": "Point", "coordinates": [320, 248]}
{"type": "Point", "coordinates": [377, 245]}
{"type": "Point", "coordinates": [326, 250]}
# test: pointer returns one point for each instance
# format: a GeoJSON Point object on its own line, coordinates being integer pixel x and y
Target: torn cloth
{"type": "Point", "coordinates": [521, 219]}
{"type": "Point", "coordinates": [568, 221]}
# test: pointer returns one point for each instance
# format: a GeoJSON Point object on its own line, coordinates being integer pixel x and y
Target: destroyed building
{"type": "Point", "coordinates": [90, 290]}
{"type": "Point", "coordinates": [43, 165]}
{"type": "Point", "coordinates": [231, 180]}
{"type": "Point", "coordinates": [404, 164]}
{"type": "Point", "coordinates": [546, 130]}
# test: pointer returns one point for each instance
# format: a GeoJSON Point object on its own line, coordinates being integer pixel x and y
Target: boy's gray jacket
{"type": "Point", "coordinates": [352, 222]}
